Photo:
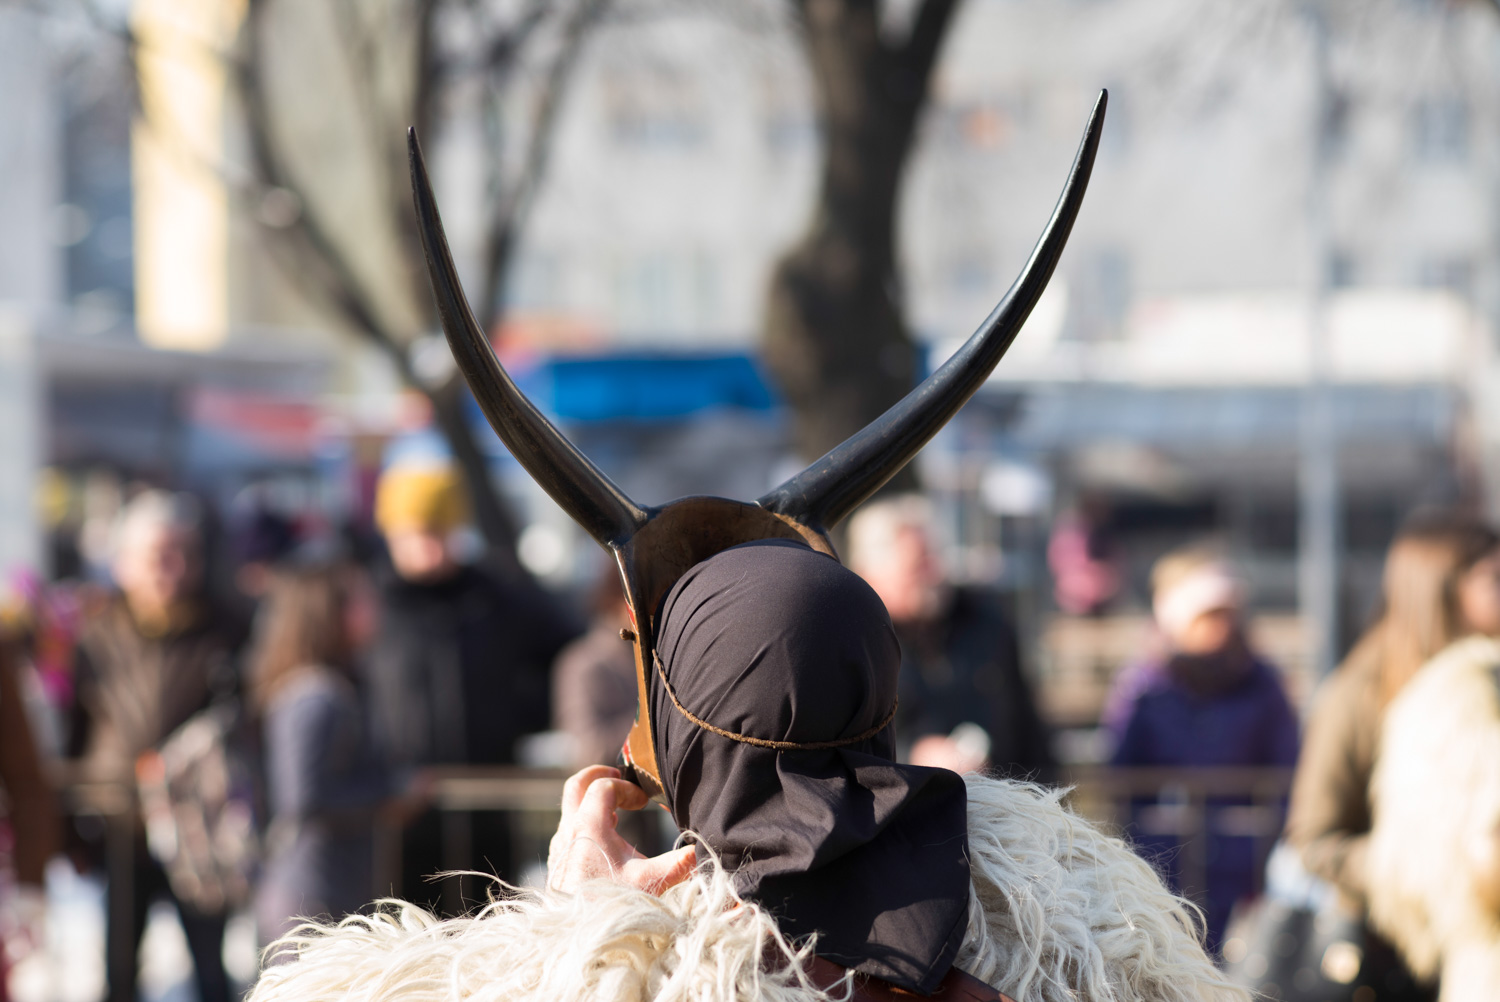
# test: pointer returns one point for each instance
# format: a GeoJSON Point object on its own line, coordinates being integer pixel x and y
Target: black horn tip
{"type": "Point", "coordinates": [833, 486]}
{"type": "Point", "coordinates": [579, 488]}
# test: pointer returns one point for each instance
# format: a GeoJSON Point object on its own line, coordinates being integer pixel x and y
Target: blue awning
{"type": "Point", "coordinates": [645, 387]}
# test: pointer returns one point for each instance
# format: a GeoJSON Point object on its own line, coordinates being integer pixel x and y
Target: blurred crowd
{"type": "Point", "coordinates": [269, 737]}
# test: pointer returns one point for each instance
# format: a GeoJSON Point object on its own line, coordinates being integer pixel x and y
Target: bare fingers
{"type": "Point", "coordinates": [587, 845]}
{"type": "Point", "coordinates": [578, 784]}
{"type": "Point", "coordinates": [657, 873]}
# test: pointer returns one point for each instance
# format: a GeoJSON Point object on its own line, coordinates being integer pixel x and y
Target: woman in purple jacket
{"type": "Point", "coordinates": [1207, 701]}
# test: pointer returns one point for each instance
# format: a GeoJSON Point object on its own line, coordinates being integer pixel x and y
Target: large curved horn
{"type": "Point", "coordinates": [576, 484]}
{"type": "Point", "coordinates": [821, 495]}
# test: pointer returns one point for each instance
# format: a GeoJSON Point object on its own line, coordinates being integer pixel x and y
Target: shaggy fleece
{"type": "Point", "coordinates": [1059, 912]}
{"type": "Point", "coordinates": [1436, 798]}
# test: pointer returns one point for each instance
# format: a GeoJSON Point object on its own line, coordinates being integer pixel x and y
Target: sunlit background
{"type": "Point", "coordinates": [1274, 325]}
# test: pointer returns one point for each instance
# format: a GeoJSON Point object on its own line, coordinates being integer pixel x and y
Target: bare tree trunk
{"type": "Point", "coordinates": [835, 337]}
{"type": "Point", "coordinates": [309, 253]}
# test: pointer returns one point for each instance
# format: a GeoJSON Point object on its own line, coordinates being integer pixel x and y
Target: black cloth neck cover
{"type": "Point", "coordinates": [776, 641]}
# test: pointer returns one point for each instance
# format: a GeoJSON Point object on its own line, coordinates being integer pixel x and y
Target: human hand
{"type": "Point", "coordinates": [587, 846]}
{"type": "Point", "coordinates": [414, 797]}
{"type": "Point", "coordinates": [939, 751]}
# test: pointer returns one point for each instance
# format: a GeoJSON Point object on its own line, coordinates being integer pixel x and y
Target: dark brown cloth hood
{"type": "Point", "coordinates": [774, 641]}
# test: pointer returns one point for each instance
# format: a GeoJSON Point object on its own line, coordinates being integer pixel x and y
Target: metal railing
{"type": "Point", "coordinates": [1188, 806]}
{"type": "Point", "coordinates": [1185, 804]}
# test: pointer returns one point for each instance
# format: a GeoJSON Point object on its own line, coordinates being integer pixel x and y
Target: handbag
{"type": "Point", "coordinates": [1296, 943]}
{"type": "Point", "coordinates": [198, 803]}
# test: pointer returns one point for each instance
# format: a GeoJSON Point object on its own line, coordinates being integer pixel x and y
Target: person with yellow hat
{"type": "Point", "coordinates": [418, 509]}
{"type": "Point", "coordinates": [460, 669]}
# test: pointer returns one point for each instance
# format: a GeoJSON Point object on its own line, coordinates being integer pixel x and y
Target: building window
{"type": "Point", "coordinates": [968, 273]}
{"type": "Point", "coordinates": [1342, 270]}
{"type": "Point", "coordinates": [94, 224]}
{"type": "Point", "coordinates": [791, 132]}
{"type": "Point", "coordinates": [789, 121]}
{"type": "Point", "coordinates": [534, 281]}
{"type": "Point", "coordinates": [655, 110]}
{"type": "Point", "coordinates": [1453, 273]}
{"type": "Point", "coordinates": [983, 125]}
{"type": "Point", "coordinates": [1440, 130]}
{"type": "Point", "coordinates": [1105, 289]}
{"type": "Point", "coordinates": [667, 295]}
{"type": "Point", "coordinates": [1338, 121]}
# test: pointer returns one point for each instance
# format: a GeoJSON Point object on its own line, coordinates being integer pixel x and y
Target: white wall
{"type": "Point", "coordinates": [31, 265]}
{"type": "Point", "coordinates": [662, 232]}
{"type": "Point", "coordinates": [31, 269]}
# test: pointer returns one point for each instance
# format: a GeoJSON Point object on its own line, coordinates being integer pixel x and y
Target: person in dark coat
{"type": "Point", "coordinates": [152, 658]}
{"type": "Point", "coordinates": [1208, 701]}
{"type": "Point", "coordinates": [965, 703]}
{"type": "Point", "coordinates": [324, 782]}
{"type": "Point", "coordinates": [460, 668]}
{"type": "Point", "coordinates": [593, 680]}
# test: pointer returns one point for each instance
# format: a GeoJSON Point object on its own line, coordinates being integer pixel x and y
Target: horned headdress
{"type": "Point", "coordinates": [653, 546]}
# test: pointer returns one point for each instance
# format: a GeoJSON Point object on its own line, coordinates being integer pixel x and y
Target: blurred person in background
{"type": "Point", "coordinates": [1081, 556]}
{"type": "Point", "coordinates": [324, 782]}
{"type": "Point", "coordinates": [1329, 820]}
{"type": "Point", "coordinates": [45, 619]}
{"type": "Point", "coordinates": [156, 654]}
{"type": "Point", "coordinates": [1438, 586]}
{"type": "Point", "coordinates": [594, 701]}
{"type": "Point", "coordinates": [461, 666]}
{"type": "Point", "coordinates": [965, 703]}
{"type": "Point", "coordinates": [1207, 700]}
{"type": "Point", "coordinates": [264, 539]}
{"type": "Point", "coordinates": [32, 820]}
{"type": "Point", "coordinates": [593, 681]}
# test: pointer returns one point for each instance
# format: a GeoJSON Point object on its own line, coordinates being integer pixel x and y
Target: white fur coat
{"type": "Point", "coordinates": [1059, 913]}
{"type": "Point", "coordinates": [1436, 795]}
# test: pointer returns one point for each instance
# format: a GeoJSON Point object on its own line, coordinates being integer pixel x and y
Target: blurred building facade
{"type": "Point", "coordinates": [1272, 176]}
{"type": "Point", "coordinates": [1286, 193]}
{"type": "Point", "coordinates": [1255, 191]}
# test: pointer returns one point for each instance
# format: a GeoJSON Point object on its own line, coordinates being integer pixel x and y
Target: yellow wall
{"type": "Point", "coordinates": [181, 204]}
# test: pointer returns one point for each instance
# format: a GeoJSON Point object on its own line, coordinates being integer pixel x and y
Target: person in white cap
{"type": "Point", "coordinates": [1206, 700]}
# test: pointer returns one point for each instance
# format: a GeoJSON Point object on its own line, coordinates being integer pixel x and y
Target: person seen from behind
{"type": "Point", "coordinates": [324, 783]}
{"type": "Point", "coordinates": [965, 702]}
{"type": "Point", "coordinates": [1421, 613]}
{"type": "Point", "coordinates": [1397, 802]}
{"type": "Point", "coordinates": [1207, 699]}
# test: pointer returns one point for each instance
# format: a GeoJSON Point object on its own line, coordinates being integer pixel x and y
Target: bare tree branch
{"type": "Point", "coordinates": [340, 287]}
{"type": "Point", "coordinates": [310, 252]}
{"type": "Point", "coordinates": [360, 49]}
{"type": "Point", "coordinates": [928, 30]}
{"type": "Point", "coordinates": [511, 211]}
{"type": "Point", "coordinates": [344, 290]}
{"type": "Point", "coordinates": [500, 54]}
{"type": "Point", "coordinates": [379, 126]}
